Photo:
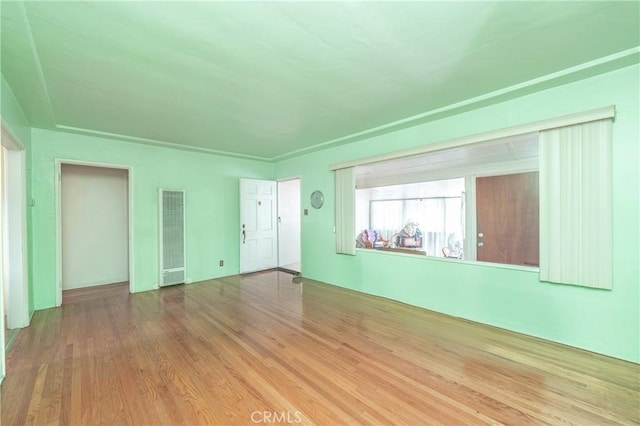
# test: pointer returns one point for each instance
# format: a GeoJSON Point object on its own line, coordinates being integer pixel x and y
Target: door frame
{"type": "Point", "coordinates": [58, 197]}
{"type": "Point", "coordinates": [18, 315]}
{"type": "Point", "coordinates": [298, 178]}
{"type": "Point", "coordinates": [18, 310]}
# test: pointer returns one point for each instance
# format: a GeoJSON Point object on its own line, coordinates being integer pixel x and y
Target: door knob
{"type": "Point", "coordinates": [480, 235]}
{"type": "Point", "coordinates": [480, 244]}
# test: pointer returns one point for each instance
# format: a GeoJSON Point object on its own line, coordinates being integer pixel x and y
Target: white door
{"type": "Point", "coordinates": [258, 227]}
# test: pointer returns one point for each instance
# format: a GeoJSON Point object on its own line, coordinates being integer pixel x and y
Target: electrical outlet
{"type": "Point", "coordinates": [222, 263]}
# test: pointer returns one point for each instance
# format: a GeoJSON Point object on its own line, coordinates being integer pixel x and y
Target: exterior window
{"type": "Point", "coordinates": [429, 220]}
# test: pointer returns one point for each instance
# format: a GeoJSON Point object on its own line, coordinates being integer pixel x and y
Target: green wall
{"type": "Point", "coordinates": [602, 321]}
{"type": "Point", "coordinates": [212, 205]}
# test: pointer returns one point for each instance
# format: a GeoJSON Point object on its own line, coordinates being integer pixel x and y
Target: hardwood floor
{"type": "Point", "coordinates": [84, 294]}
{"type": "Point", "coordinates": [255, 350]}
{"type": "Point", "coordinates": [9, 337]}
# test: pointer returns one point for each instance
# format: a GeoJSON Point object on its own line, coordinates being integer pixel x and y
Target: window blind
{"type": "Point", "coordinates": [576, 205]}
{"type": "Point", "coordinates": [345, 211]}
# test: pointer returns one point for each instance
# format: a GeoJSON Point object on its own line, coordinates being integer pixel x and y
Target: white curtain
{"type": "Point", "coordinates": [575, 205]}
{"type": "Point", "coordinates": [345, 211]}
{"type": "Point", "coordinates": [387, 217]}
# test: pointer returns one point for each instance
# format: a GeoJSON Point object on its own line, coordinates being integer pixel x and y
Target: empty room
{"type": "Point", "coordinates": [386, 213]}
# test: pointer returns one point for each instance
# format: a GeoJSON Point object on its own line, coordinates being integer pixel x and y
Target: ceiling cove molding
{"type": "Point", "coordinates": [38, 64]}
{"type": "Point", "coordinates": [157, 143]}
{"type": "Point", "coordinates": [617, 60]}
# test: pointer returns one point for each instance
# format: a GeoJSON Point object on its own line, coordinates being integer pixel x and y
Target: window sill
{"type": "Point", "coordinates": [421, 254]}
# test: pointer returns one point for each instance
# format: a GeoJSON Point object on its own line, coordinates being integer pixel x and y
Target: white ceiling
{"type": "Point", "coordinates": [268, 80]}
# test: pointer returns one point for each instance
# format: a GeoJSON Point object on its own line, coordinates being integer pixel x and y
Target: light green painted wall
{"type": "Point", "coordinates": [211, 184]}
{"type": "Point", "coordinates": [607, 322]}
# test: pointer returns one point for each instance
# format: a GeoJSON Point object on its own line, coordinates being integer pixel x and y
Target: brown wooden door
{"type": "Point", "coordinates": [507, 218]}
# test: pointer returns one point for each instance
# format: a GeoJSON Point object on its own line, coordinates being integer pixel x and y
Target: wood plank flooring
{"type": "Point", "coordinates": [85, 294]}
{"type": "Point", "coordinates": [254, 349]}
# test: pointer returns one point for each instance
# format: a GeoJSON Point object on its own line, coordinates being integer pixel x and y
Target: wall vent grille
{"type": "Point", "coordinates": [172, 237]}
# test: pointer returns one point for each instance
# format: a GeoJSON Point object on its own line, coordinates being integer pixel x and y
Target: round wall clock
{"type": "Point", "coordinates": [317, 199]}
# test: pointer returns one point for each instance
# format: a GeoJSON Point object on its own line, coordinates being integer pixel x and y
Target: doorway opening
{"type": "Point", "coordinates": [289, 229]}
{"type": "Point", "coordinates": [93, 229]}
{"type": "Point", "coordinates": [270, 228]}
{"type": "Point", "coordinates": [14, 295]}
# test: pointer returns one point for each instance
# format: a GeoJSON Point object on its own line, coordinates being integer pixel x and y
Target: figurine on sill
{"type": "Point", "coordinates": [409, 237]}
{"type": "Point", "coordinates": [370, 238]}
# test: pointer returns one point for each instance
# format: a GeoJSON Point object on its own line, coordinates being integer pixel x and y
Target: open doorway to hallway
{"type": "Point", "coordinates": [14, 294]}
{"type": "Point", "coordinates": [94, 226]}
{"type": "Point", "coordinates": [289, 230]}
